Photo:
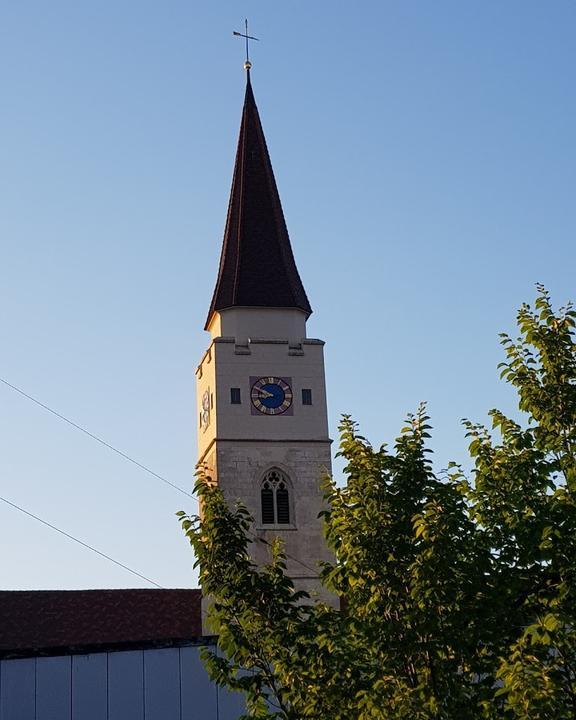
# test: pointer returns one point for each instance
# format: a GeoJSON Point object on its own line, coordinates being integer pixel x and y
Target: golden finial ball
{"type": "Point", "coordinates": [247, 65]}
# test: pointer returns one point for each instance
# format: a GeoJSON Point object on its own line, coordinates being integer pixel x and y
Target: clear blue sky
{"type": "Point", "coordinates": [426, 160]}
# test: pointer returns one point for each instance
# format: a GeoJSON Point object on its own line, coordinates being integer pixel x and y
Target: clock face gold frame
{"type": "Point", "coordinates": [271, 395]}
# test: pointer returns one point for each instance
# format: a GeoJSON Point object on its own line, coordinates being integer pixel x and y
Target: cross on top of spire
{"type": "Point", "coordinates": [247, 63]}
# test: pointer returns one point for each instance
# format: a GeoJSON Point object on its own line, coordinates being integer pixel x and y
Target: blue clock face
{"type": "Point", "coordinates": [271, 395]}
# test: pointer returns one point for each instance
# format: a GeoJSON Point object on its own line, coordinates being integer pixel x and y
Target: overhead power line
{"type": "Point", "coordinates": [80, 542]}
{"type": "Point", "coordinates": [95, 437]}
{"type": "Point", "coordinates": [290, 557]}
{"type": "Point", "coordinates": [126, 457]}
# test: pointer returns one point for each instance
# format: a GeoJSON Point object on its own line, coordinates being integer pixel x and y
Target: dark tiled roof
{"type": "Point", "coordinates": [257, 267]}
{"type": "Point", "coordinates": [45, 621]}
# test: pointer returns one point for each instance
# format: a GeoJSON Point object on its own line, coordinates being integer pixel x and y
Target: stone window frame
{"type": "Point", "coordinates": [282, 478]}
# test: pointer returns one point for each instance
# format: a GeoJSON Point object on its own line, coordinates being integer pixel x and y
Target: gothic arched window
{"type": "Point", "coordinates": [275, 499]}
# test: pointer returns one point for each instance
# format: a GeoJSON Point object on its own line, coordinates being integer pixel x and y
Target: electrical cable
{"type": "Point", "coordinates": [95, 437]}
{"type": "Point", "coordinates": [126, 457]}
{"type": "Point", "coordinates": [290, 557]}
{"type": "Point", "coordinates": [80, 542]}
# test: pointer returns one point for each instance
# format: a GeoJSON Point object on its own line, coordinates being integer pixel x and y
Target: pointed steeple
{"type": "Point", "coordinates": [257, 267]}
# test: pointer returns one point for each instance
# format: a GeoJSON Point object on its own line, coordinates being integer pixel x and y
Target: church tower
{"type": "Point", "coordinates": [262, 419]}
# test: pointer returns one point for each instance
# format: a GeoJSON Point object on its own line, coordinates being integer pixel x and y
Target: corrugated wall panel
{"type": "Point", "coordinates": [230, 704]}
{"type": "Point", "coordinates": [17, 686]}
{"type": "Point", "coordinates": [53, 688]}
{"type": "Point", "coordinates": [126, 685]}
{"type": "Point", "coordinates": [198, 693]}
{"type": "Point", "coordinates": [162, 684]}
{"type": "Point", "coordinates": [89, 687]}
{"type": "Point", "coordinates": [167, 684]}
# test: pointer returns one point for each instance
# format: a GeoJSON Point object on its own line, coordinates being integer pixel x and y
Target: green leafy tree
{"type": "Point", "coordinates": [459, 594]}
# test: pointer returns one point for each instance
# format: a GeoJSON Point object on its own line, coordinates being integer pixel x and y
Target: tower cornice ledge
{"type": "Point", "coordinates": [279, 441]}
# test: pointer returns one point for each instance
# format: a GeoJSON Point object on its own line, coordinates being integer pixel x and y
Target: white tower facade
{"type": "Point", "coordinates": [262, 416]}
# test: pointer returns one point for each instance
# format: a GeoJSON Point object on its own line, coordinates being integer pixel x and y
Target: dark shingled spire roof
{"type": "Point", "coordinates": [257, 268]}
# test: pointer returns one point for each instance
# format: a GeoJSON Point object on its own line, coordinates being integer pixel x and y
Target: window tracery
{"type": "Point", "coordinates": [275, 498]}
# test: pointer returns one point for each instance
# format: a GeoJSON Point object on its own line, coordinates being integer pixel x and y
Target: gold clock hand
{"type": "Point", "coordinates": [265, 393]}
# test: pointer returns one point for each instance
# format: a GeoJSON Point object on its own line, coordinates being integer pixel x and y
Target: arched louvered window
{"type": "Point", "coordinates": [275, 499]}
{"type": "Point", "coordinates": [267, 495]}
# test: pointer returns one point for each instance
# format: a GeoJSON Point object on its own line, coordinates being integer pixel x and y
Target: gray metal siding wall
{"type": "Point", "coordinates": [168, 684]}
